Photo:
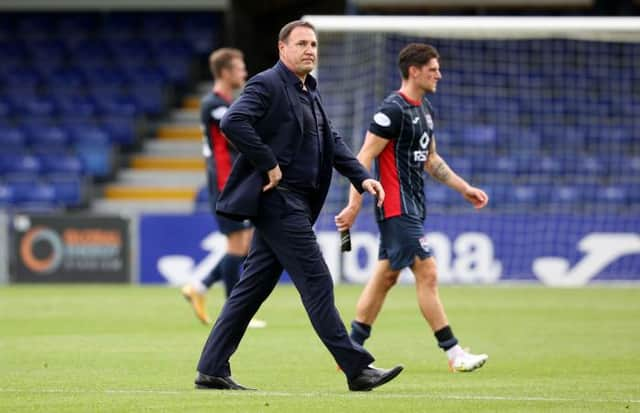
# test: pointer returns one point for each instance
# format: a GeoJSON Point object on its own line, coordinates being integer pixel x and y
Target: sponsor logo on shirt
{"type": "Point", "coordinates": [382, 119]}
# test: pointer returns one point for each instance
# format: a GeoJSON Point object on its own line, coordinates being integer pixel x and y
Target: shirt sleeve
{"type": "Point", "coordinates": [386, 121]}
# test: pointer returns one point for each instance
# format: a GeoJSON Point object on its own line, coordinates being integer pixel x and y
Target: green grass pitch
{"type": "Point", "coordinates": [128, 348]}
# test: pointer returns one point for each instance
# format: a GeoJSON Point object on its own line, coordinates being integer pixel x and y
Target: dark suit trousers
{"type": "Point", "coordinates": [283, 237]}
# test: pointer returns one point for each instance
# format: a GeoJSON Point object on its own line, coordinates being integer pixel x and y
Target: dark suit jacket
{"type": "Point", "coordinates": [265, 125]}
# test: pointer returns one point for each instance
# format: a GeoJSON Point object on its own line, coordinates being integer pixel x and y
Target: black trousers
{"type": "Point", "coordinates": [283, 238]}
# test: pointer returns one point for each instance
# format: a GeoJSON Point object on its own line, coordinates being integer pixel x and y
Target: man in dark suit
{"type": "Point", "coordinates": [280, 181]}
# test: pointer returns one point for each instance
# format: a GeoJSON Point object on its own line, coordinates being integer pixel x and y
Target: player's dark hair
{"type": "Point", "coordinates": [415, 54]}
{"type": "Point", "coordinates": [221, 59]}
{"type": "Point", "coordinates": [288, 28]}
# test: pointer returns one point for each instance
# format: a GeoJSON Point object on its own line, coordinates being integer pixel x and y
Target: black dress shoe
{"type": "Point", "coordinates": [204, 381]}
{"type": "Point", "coordinates": [372, 377]}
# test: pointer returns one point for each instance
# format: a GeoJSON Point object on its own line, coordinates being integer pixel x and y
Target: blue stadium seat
{"type": "Point", "coordinates": [463, 166]}
{"type": "Point", "coordinates": [70, 78]}
{"type": "Point", "coordinates": [104, 76]}
{"type": "Point", "coordinates": [566, 195]}
{"type": "Point", "coordinates": [438, 195]}
{"type": "Point", "coordinates": [69, 190]}
{"type": "Point", "coordinates": [498, 195]}
{"type": "Point", "coordinates": [48, 136]}
{"type": "Point", "coordinates": [117, 104]}
{"type": "Point", "coordinates": [614, 195]}
{"type": "Point", "coordinates": [23, 76]}
{"type": "Point", "coordinates": [121, 128]}
{"type": "Point", "coordinates": [200, 30]}
{"type": "Point", "coordinates": [547, 165]}
{"type": "Point", "coordinates": [480, 135]}
{"type": "Point", "coordinates": [120, 25]}
{"type": "Point", "coordinates": [38, 26]}
{"type": "Point", "coordinates": [19, 164]}
{"type": "Point", "coordinates": [523, 195]}
{"type": "Point", "coordinates": [6, 108]}
{"type": "Point", "coordinates": [6, 195]}
{"type": "Point", "coordinates": [74, 27]}
{"type": "Point", "coordinates": [91, 52]}
{"type": "Point", "coordinates": [84, 132]}
{"type": "Point", "coordinates": [150, 99]}
{"type": "Point", "coordinates": [12, 139]}
{"type": "Point", "coordinates": [12, 52]}
{"type": "Point", "coordinates": [146, 75]}
{"type": "Point", "coordinates": [61, 163]}
{"type": "Point", "coordinates": [39, 105]}
{"type": "Point", "coordinates": [77, 105]}
{"type": "Point", "coordinates": [50, 50]}
{"type": "Point", "coordinates": [130, 50]}
{"type": "Point", "coordinates": [97, 159]}
{"type": "Point", "coordinates": [520, 139]}
{"type": "Point", "coordinates": [592, 166]}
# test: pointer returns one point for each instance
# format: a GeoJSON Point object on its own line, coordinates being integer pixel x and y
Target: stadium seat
{"type": "Point", "coordinates": [77, 105]}
{"type": "Point", "coordinates": [121, 128]}
{"type": "Point", "coordinates": [83, 132]}
{"type": "Point", "coordinates": [105, 76]}
{"type": "Point", "coordinates": [591, 166]}
{"type": "Point", "coordinates": [30, 189]}
{"type": "Point", "coordinates": [61, 163]}
{"type": "Point", "coordinates": [12, 139]}
{"type": "Point", "coordinates": [38, 26]}
{"type": "Point", "coordinates": [565, 195]}
{"type": "Point", "coordinates": [523, 196]}
{"type": "Point", "coordinates": [69, 190]}
{"type": "Point", "coordinates": [24, 76]}
{"type": "Point", "coordinates": [461, 165]}
{"type": "Point", "coordinates": [117, 104]}
{"type": "Point", "coordinates": [6, 195]}
{"type": "Point", "coordinates": [480, 135]}
{"type": "Point", "coordinates": [614, 195]}
{"type": "Point", "coordinates": [48, 136]}
{"type": "Point", "coordinates": [13, 53]}
{"type": "Point", "coordinates": [438, 195]}
{"type": "Point", "coordinates": [98, 160]}
{"type": "Point", "coordinates": [50, 50]}
{"type": "Point", "coordinates": [66, 79]}
{"type": "Point", "coordinates": [19, 164]}
{"type": "Point", "coordinates": [6, 108]}
{"type": "Point", "coordinates": [152, 100]}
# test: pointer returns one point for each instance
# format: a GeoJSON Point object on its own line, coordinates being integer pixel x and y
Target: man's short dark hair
{"type": "Point", "coordinates": [288, 28]}
{"type": "Point", "coordinates": [415, 54]}
{"type": "Point", "coordinates": [221, 59]}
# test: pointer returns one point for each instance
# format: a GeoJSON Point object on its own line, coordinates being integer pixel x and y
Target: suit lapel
{"type": "Point", "coordinates": [292, 97]}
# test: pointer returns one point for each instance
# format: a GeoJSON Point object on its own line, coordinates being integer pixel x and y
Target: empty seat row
{"type": "Point", "coordinates": [55, 190]}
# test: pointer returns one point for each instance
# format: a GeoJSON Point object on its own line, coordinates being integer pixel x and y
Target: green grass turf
{"type": "Point", "coordinates": [113, 348]}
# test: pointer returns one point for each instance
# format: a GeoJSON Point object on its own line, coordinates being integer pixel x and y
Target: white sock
{"type": "Point", "coordinates": [454, 352]}
{"type": "Point", "coordinates": [199, 286]}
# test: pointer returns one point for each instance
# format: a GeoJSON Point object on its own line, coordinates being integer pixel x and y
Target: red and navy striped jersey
{"type": "Point", "coordinates": [408, 125]}
{"type": "Point", "coordinates": [215, 145]}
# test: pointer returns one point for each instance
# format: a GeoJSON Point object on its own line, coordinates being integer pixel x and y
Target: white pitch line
{"type": "Point", "coordinates": [334, 395]}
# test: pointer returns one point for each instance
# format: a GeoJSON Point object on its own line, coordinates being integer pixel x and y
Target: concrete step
{"type": "Point", "coordinates": [182, 116]}
{"type": "Point", "coordinates": [203, 88]}
{"type": "Point", "coordinates": [173, 148]}
{"type": "Point", "coordinates": [161, 178]}
{"type": "Point", "coordinates": [191, 102]}
{"type": "Point", "coordinates": [130, 207]}
{"type": "Point", "coordinates": [150, 193]}
{"type": "Point", "coordinates": [179, 131]}
{"type": "Point", "coordinates": [168, 163]}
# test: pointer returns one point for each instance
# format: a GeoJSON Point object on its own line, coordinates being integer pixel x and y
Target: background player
{"type": "Point", "coordinates": [401, 140]}
{"type": "Point", "coordinates": [228, 70]}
